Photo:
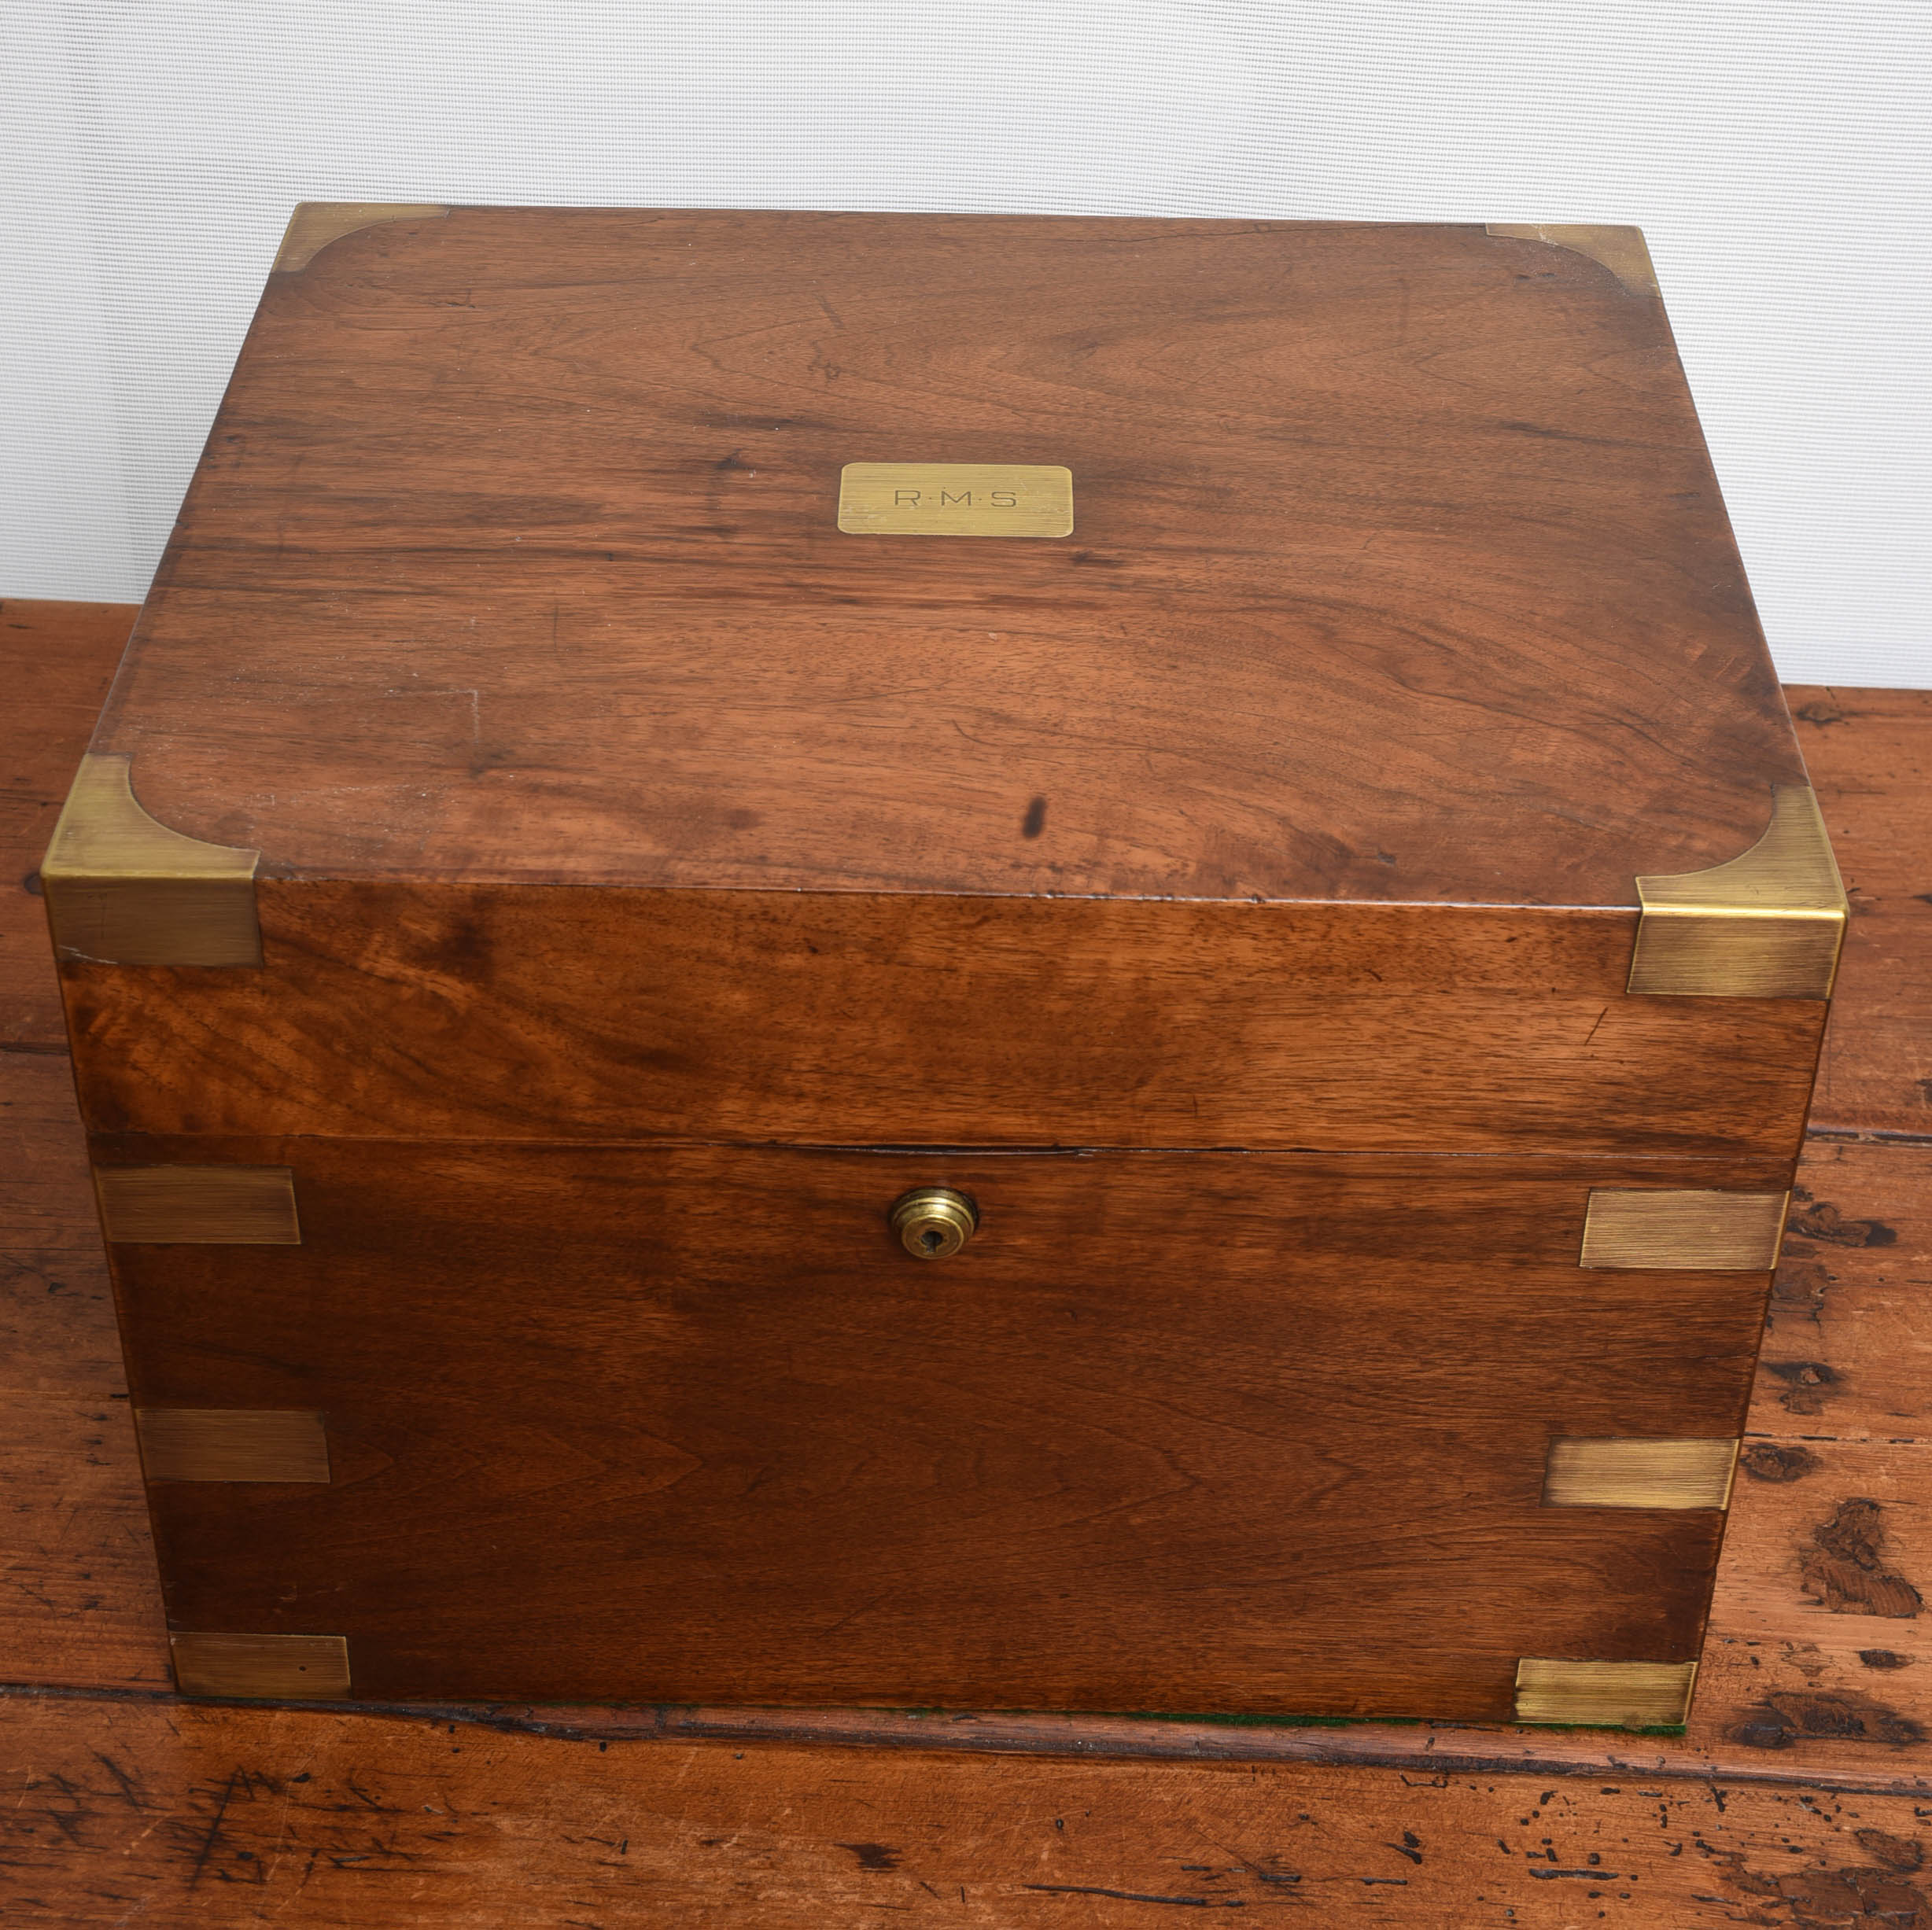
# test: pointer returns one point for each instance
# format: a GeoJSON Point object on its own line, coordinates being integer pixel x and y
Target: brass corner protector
{"type": "Point", "coordinates": [1765, 925]}
{"type": "Point", "coordinates": [198, 1206]}
{"type": "Point", "coordinates": [1634, 1472]}
{"type": "Point", "coordinates": [232, 1444]}
{"type": "Point", "coordinates": [122, 889]}
{"type": "Point", "coordinates": [293, 1668]}
{"type": "Point", "coordinates": [1605, 1695]}
{"type": "Point", "coordinates": [1622, 250]}
{"type": "Point", "coordinates": [315, 224]}
{"type": "Point", "coordinates": [1652, 1229]}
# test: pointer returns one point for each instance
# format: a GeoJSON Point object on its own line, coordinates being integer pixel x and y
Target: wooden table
{"type": "Point", "coordinates": [1801, 1793]}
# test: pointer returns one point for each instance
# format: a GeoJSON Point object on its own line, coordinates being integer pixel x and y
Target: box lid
{"type": "Point", "coordinates": [1398, 571]}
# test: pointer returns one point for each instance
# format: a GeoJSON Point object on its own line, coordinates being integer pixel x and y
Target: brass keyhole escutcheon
{"type": "Point", "coordinates": [934, 1222]}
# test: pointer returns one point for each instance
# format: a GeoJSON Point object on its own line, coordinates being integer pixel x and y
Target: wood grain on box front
{"type": "Point", "coordinates": [396, 1011]}
{"type": "Point", "coordinates": [697, 1427]}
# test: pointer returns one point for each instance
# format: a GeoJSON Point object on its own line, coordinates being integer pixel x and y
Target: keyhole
{"type": "Point", "coordinates": [933, 1222]}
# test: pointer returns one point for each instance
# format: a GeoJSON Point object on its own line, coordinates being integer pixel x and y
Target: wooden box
{"type": "Point", "coordinates": [1230, 763]}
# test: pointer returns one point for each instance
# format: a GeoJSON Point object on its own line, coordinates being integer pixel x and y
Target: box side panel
{"type": "Point", "coordinates": [1184, 1432]}
{"type": "Point", "coordinates": [509, 1013]}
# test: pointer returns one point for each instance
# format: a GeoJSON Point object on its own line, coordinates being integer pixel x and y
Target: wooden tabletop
{"type": "Point", "coordinates": [1799, 1795]}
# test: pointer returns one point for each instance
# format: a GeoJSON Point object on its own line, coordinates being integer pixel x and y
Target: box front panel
{"type": "Point", "coordinates": [1195, 1433]}
{"type": "Point", "coordinates": [524, 1013]}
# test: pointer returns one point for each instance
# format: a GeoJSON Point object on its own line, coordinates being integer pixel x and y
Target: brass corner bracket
{"type": "Point", "coordinates": [124, 890]}
{"type": "Point", "coordinates": [1767, 925]}
{"type": "Point", "coordinates": [1622, 250]}
{"type": "Point", "coordinates": [315, 224]}
{"type": "Point", "coordinates": [1605, 1695]}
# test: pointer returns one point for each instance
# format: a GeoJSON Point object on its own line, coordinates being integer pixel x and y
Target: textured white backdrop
{"type": "Point", "coordinates": [1774, 153]}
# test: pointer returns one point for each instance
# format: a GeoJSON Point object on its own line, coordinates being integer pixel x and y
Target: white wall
{"type": "Point", "coordinates": [1775, 154]}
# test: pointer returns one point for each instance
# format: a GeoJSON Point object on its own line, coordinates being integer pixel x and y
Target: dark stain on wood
{"type": "Point", "coordinates": [1901, 1853]}
{"type": "Point", "coordinates": [1778, 1461]}
{"type": "Point", "coordinates": [1884, 1659]}
{"type": "Point", "coordinates": [1808, 1384]}
{"type": "Point", "coordinates": [1800, 1286]}
{"type": "Point", "coordinates": [1844, 1568]}
{"type": "Point", "coordinates": [875, 1855]}
{"type": "Point", "coordinates": [1820, 1220]}
{"type": "Point", "coordinates": [1819, 713]}
{"type": "Point", "coordinates": [1806, 1657]}
{"type": "Point", "coordinates": [1828, 1899]}
{"type": "Point", "coordinates": [1790, 1716]}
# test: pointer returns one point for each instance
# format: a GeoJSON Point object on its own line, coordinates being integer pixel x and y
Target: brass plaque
{"type": "Point", "coordinates": [1702, 1232]}
{"type": "Point", "coordinates": [231, 1444]}
{"type": "Point", "coordinates": [293, 1668]}
{"type": "Point", "coordinates": [198, 1206]}
{"type": "Point", "coordinates": [1604, 1695]}
{"type": "Point", "coordinates": [955, 500]}
{"type": "Point", "coordinates": [1632, 1472]}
